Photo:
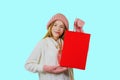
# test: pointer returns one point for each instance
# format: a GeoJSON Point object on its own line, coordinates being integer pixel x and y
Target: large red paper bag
{"type": "Point", "coordinates": [75, 50]}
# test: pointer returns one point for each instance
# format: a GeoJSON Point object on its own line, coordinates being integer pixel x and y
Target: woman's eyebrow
{"type": "Point", "coordinates": [54, 23]}
{"type": "Point", "coordinates": [61, 25]}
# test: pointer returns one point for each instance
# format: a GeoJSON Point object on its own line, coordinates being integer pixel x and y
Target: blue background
{"type": "Point", "coordinates": [23, 24]}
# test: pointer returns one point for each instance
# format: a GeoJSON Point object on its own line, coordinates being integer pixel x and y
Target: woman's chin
{"type": "Point", "coordinates": [56, 37]}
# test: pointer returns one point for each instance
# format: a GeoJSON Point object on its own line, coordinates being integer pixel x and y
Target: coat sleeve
{"type": "Point", "coordinates": [32, 64]}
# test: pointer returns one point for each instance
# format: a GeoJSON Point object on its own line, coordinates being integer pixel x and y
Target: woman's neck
{"type": "Point", "coordinates": [55, 38]}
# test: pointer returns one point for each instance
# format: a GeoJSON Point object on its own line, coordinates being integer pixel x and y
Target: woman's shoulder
{"type": "Point", "coordinates": [44, 40]}
{"type": "Point", "coordinates": [49, 40]}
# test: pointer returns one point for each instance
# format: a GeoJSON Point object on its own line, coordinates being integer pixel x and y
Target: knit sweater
{"type": "Point", "coordinates": [45, 53]}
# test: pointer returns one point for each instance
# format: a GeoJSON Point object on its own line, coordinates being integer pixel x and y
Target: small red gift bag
{"type": "Point", "coordinates": [75, 49]}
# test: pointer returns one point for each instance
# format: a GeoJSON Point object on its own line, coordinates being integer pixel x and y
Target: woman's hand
{"type": "Point", "coordinates": [78, 24]}
{"type": "Point", "coordinates": [48, 68]}
{"type": "Point", "coordinates": [59, 70]}
{"type": "Point", "coordinates": [54, 69]}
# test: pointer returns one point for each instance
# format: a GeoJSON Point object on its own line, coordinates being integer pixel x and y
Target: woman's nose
{"type": "Point", "coordinates": [58, 28]}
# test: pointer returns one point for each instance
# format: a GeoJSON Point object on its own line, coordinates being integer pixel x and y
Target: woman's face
{"type": "Point", "coordinates": [57, 29]}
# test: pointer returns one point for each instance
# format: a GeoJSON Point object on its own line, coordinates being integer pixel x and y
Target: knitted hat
{"type": "Point", "coordinates": [61, 17]}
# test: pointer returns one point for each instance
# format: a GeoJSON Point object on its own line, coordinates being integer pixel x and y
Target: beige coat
{"type": "Point", "coordinates": [45, 53]}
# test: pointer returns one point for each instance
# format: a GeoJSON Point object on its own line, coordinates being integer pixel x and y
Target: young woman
{"type": "Point", "coordinates": [46, 55]}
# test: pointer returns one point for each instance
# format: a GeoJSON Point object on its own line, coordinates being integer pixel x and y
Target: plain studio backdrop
{"type": "Point", "coordinates": [23, 24]}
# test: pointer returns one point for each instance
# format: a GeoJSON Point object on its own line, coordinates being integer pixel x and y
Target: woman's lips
{"type": "Point", "coordinates": [57, 32]}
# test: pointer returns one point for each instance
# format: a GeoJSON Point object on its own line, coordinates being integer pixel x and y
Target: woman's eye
{"type": "Point", "coordinates": [55, 25]}
{"type": "Point", "coordinates": [61, 27]}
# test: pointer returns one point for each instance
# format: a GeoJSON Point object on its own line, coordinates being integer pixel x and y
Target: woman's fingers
{"type": "Point", "coordinates": [78, 23]}
{"type": "Point", "coordinates": [60, 70]}
{"type": "Point", "coordinates": [48, 68]}
{"type": "Point", "coordinates": [54, 69]}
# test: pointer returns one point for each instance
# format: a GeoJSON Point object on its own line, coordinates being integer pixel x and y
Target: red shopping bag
{"type": "Point", "coordinates": [75, 50]}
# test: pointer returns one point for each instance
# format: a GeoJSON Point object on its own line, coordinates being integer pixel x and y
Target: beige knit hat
{"type": "Point", "coordinates": [61, 17]}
